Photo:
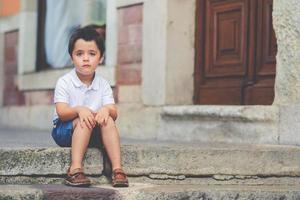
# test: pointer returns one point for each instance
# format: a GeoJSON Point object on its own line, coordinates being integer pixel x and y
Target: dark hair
{"type": "Point", "coordinates": [87, 34]}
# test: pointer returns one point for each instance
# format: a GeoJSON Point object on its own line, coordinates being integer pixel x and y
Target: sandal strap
{"type": "Point", "coordinates": [119, 172]}
{"type": "Point", "coordinates": [75, 172]}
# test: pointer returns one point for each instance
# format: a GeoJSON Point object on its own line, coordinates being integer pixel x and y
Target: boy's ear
{"type": "Point", "coordinates": [101, 60]}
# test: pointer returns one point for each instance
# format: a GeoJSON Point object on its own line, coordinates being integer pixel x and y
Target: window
{"type": "Point", "coordinates": [56, 21]}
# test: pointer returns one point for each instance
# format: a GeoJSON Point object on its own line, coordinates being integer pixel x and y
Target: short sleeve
{"type": "Point", "coordinates": [107, 96]}
{"type": "Point", "coordinates": [61, 93]}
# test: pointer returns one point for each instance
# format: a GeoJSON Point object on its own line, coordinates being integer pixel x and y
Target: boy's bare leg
{"type": "Point", "coordinates": [111, 141]}
{"type": "Point", "coordinates": [80, 140]}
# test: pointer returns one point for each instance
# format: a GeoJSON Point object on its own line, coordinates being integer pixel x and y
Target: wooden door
{"type": "Point", "coordinates": [235, 52]}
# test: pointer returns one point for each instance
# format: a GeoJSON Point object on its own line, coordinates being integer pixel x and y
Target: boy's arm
{"type": "Point", "coordinates": [65, 112]}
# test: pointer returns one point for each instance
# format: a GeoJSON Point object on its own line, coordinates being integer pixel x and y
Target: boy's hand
{"type": "Point", "coordinates": [102, 116]}
{"type": "Point", "coordinates": [86, 117]}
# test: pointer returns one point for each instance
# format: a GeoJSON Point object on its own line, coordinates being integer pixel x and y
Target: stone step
{"type": "Point", "coordinates": [159, 163]}
{"type": "Point", "coordinates": [57, 192]}
{"type": "Point", "coordinates": [227, 124]}
{"type": "Point", "coordinates": [140, 191]}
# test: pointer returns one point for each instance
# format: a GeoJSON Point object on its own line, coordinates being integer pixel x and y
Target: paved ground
{"type": "Point", "coordinates": [12, 137]}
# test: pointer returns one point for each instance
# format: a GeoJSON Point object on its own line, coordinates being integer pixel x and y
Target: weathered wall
{"type": "Point", "coordinates": [286, 21]}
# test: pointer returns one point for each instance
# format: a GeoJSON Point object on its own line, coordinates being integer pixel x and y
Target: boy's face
{"type": "Point", "coordinates": [86, 57]}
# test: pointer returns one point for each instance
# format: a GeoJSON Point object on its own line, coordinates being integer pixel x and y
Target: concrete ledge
{"type": "Point", "coordinates": [239, 113]}
{"type": "Point", "coordinates": [229, 124]}
{"type": "Point", "coordinates": [151, 192]}
{"type": "Point", "coordinates": [161, 161]}
{"type": "Point", "coordinates": [9, 23]}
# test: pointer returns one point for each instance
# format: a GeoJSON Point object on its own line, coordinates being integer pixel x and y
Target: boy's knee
{"type": "Point", "coordinates": [82, 127]}
{"type": "Point", "coordinates": [110, 122]}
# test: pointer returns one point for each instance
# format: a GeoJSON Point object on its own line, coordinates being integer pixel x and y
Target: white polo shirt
{"type": "Point", "coordinates": [69, 89]}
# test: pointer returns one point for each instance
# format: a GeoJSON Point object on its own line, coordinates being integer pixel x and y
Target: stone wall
{"type": "Point", "coordinates": [129, 58]}
{"type": "Point", "coordinates": [13, 96]}
{"type": "Point", "coordinates": [286, 21]}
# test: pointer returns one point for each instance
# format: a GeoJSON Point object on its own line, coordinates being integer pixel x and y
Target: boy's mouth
{"type": "Point", "coordinates": [86, 66]}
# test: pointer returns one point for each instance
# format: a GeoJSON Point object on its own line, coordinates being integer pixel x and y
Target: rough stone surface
{"type": "Point", "coordinates": [18, 192]}
{"type": "Point", "coordinates": [47, 179]}
{"type": "Point", "coordinates": [286, 22]}
{"type": "Point", "coordinates": [61, 192]}
{"type": "Point", "coordinates": [151, 192]}
{"type": "Point", "coordinates": [229, 124]}
{"type": "Point", "coordinates": [166, 180]}
{"type": "Point", "coordinates": [215, 192]}
{"type": "Point", "coordinates": [45, 161]}
{"type": "Point", "coordinates": [205, 161]}
{"type": "Point", "coordinates": [164, 161]}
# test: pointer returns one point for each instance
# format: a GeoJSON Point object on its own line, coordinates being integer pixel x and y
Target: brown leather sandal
{"type": "Point", "coordinates": [77, 178]}
{"type": "Point", "coordinates": [119, 178]}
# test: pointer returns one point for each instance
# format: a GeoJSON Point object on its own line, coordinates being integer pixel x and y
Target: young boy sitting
{"type": "Point", "coordinates": [85, 106]}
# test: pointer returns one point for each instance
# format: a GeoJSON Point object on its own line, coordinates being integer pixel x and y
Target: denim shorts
{"type": "Point", "coordinates": [62, 134]}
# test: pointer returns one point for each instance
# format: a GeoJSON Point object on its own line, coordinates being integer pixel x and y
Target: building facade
{"type": "Point", "coordinates": [194, 70]}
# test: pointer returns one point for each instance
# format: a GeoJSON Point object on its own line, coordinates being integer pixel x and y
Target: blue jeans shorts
{"type": "Point", "coordinates": [62, 134]}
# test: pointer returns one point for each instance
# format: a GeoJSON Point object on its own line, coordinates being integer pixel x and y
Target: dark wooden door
{"type": "Point", "coordinates": [235, 52]}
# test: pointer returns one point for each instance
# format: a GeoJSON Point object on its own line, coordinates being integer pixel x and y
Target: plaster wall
{"type": "Point", "coordinates": [154, 52]}
{"type": "Point", "coordinates": [168, 52]}
{"type": "Point", "coordinates": [180, 52]}
{"type": "Point", "coordinates": [27, 36]}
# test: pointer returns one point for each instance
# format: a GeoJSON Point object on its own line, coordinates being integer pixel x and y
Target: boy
{"type": "Point", "coordinates": [84, 104]}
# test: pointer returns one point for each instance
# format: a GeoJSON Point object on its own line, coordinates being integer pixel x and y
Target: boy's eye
{"type": "Point", "coordinates": [92, 54]}
{"type": "Point", "coordinates": [78, 54]}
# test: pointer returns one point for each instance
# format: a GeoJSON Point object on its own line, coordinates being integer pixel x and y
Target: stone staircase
{"type": "Point", "coordinates": [158, 171]}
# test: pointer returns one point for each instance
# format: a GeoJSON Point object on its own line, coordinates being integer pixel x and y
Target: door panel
{"type": "Point", "coordinates": [226, 33]}
{"type": "Point", "coordinates": [261, 89]}
{"type": "Point", "coordinates": [223, 29]}
{"type": "Point", "coordinates": [267, 48]}
{"type": "Point", "coordinates": [235, 52]}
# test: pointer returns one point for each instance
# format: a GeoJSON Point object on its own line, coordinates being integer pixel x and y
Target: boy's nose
{"type": "Point", "coordinates": [85, 57]}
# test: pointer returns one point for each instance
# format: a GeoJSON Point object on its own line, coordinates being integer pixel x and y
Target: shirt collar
{"type": "Point", "coordinates": [77, 82]}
